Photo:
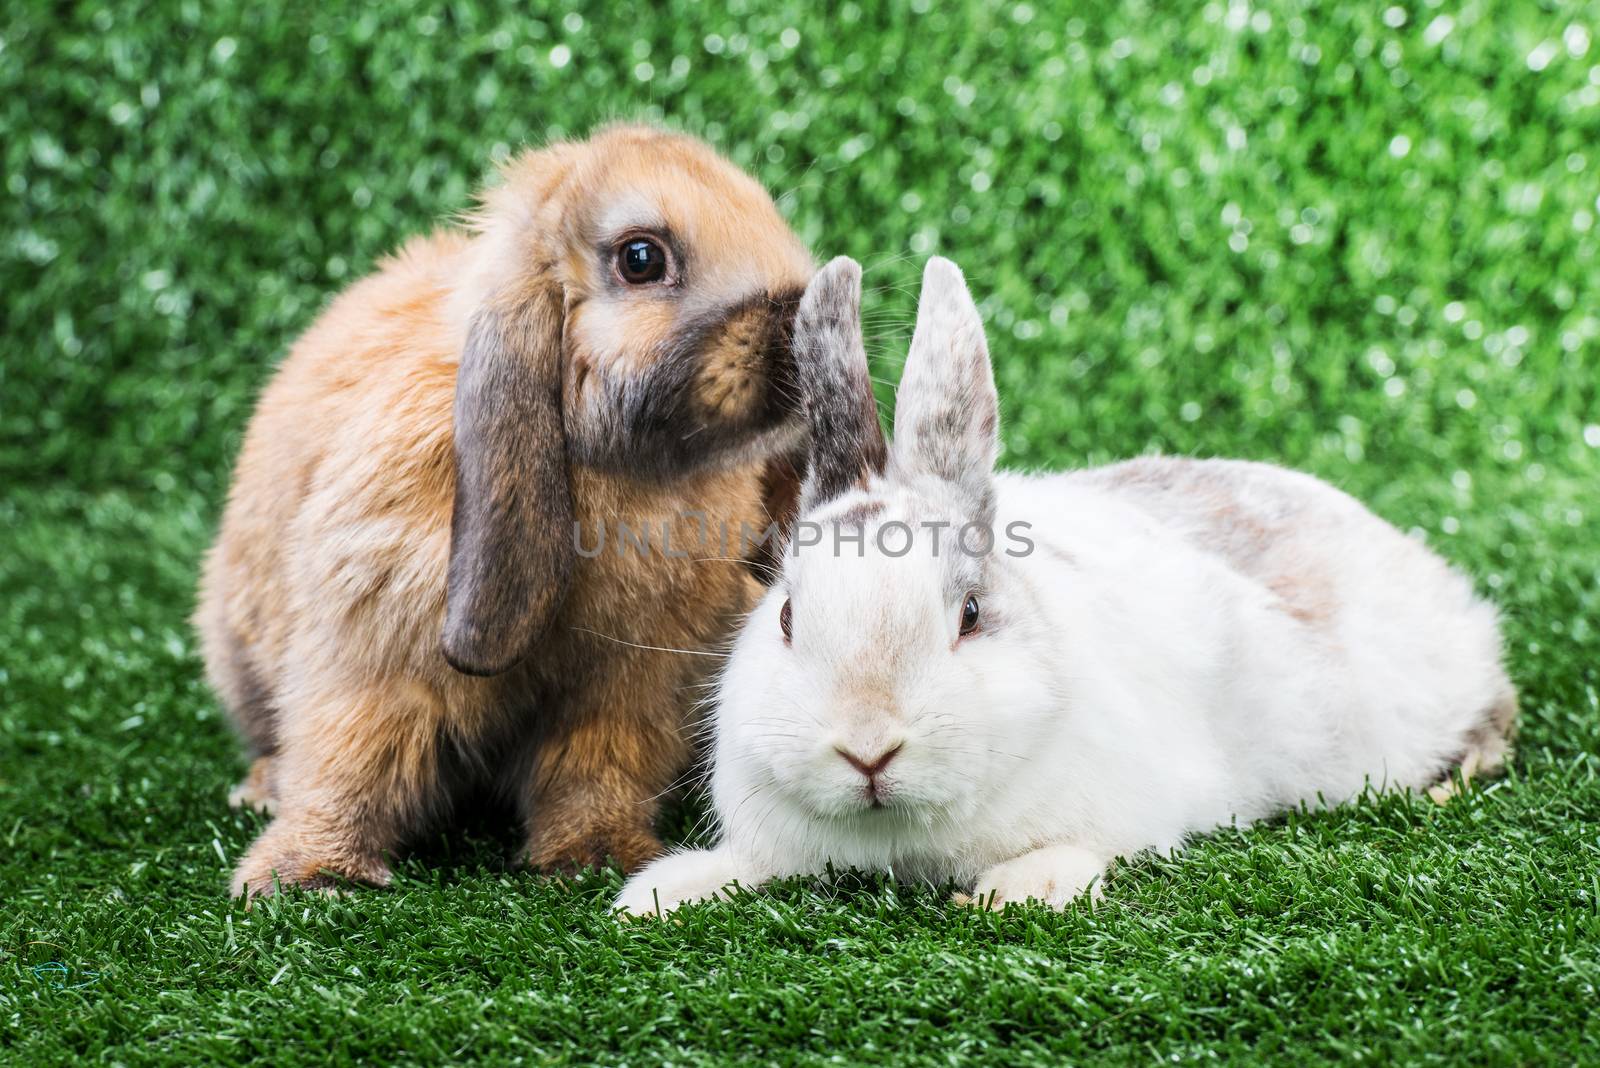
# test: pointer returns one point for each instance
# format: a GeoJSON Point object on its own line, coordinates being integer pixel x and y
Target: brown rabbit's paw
{"type": "Point", "coordinates": [276, 862]}
{"type": "Point", "coordinates": [255, 789]}
{"type": "Point", "coordinates": [569, 850]}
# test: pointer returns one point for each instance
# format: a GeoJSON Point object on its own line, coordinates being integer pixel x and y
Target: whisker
{"type": "Point", "coordinates": [653, 648]}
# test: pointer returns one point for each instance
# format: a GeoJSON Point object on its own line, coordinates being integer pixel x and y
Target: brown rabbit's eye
{"type": "Point", "coordinates": [641, 261]}
{"type": "Point", "coordinates": [786, 621]}
{"type": "Point", "coordinates": [969, 615]}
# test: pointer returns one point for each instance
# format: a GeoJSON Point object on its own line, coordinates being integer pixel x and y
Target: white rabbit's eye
{"type": "Point", "coordinates": [786, 622]}
{"type": "Point", "coordinates": [969, 615]}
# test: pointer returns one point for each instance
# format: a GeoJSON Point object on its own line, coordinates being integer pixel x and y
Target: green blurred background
{"type": "Point", "coordinates": [1347, 232]}
{"type": "Point", "coordinates": [1356, 238]}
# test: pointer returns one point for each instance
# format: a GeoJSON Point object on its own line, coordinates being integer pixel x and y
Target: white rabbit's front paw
{"type": "Point", "coordinates": [683, 877]}
{"type": "Point", "coordinates": [1053, 876]}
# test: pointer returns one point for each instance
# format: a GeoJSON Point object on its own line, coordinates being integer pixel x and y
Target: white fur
{"type": "Point", "coordinates": [1189, 643]}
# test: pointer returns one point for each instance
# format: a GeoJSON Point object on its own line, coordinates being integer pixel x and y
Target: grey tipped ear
{"type": "Point", "coordinates": [946, 421]}
{"type": "Point", "coordinates": [847, 444]}
{"type": "Point", "coordinates": [511, 551]}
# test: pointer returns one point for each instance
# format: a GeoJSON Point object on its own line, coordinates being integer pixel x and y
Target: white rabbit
{"type": "Point", "coordinates": [1149, 650]}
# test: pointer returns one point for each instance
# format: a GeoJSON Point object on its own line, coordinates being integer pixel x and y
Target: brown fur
{"type": "Point", "coordinates": [780, 491]}
{"type": "Point", "coordinates": [322, 602]}
{"type": "Point", "coordinates": [1253, 533]}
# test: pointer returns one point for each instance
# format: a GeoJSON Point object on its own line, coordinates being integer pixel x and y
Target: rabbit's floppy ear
{"type": "Point", "coordinates": [847, 444]}
{"type": "Point", "coordinates": [946, 420]}
{"type": "Point", "coordinates": [511, 552]}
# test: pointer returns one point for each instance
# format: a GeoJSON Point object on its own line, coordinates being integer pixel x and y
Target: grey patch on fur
{"type": "Point", "coordinates": [511, 556]}
{"type": "Point", "coordinates": [1220, 507]}
{"type": "Point", "coordinates": [1242, 514]}
{"type": "Point", "coordinates": [1250, 515]}
{"type": "Point", "coordinates": [847, 443]}
{"type": "Point", "coordinates": [650, 423]}
{"type": "Point", "coordinates": [858, 514]}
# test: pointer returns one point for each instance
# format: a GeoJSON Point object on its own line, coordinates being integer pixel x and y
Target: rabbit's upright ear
{"type": "Point", "coordinates": [946, 421]}
{"type": "Point", "coordinates": [847, 444]}
{"type": "Point", "coordinates": [511, 553]}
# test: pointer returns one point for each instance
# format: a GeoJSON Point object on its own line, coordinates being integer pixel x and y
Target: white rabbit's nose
{"type": "Point", "coordinates": [869, 767]}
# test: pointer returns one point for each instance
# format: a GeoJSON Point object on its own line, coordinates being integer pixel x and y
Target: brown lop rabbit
{"type": "Point", "coordinates": [405, 603]}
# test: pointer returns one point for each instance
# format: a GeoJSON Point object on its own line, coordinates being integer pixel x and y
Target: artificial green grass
{"type": "Point", "coordinates": [1359, 240]}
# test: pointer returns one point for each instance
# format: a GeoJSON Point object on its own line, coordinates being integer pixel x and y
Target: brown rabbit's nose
{"type": "Point", "coordinates": [872, 767]}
